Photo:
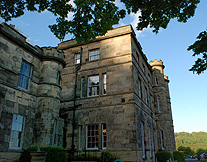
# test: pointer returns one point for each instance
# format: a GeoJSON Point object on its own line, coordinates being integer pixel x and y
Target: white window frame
{"type": "Point", "coordinates": [94, 54]}
{"type": "Point", "coordinates": [104, 84]}
{"type": "Point", "coordinates": [24, 78]}
{"type": "Point", "coordinates": [104, 135]}
{"type": "Point", "coordinates": [150, 145]}
{"type": "Point", "coordinates": [142, 136]}
{"type": "Point", "coordinates": [77, 58]}
{"type": "Point", "coordinates": [19, 126]}
{"type": "Point", "coordinates": [90, 135]}
{"type": "Point", "coordinates": [93, 90]}
{"type": "Point", "coordinates": [158, 103]}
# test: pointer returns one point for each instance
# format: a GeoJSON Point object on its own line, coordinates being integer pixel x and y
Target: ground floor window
{"type": "Point", "coordinates": [142, 136]}
{"type": "Point", "coordinates": [92, 137]}
{"type": "Point", "coordinates": [104, 136]}
{"type": "Point", "coordinates": [17, 131]}
{"type": "Point", "coordinates": [162, 139]}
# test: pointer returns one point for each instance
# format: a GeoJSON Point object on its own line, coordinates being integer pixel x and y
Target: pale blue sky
{"type": "Point", "coordinates": [187, 90]}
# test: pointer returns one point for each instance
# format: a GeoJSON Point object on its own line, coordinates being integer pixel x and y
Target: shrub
{"type": "Point", "coordinates": [56, 154]}
{"type": "Point", "coordinates": [163, 156]}
{"type": "Point", "coordinates": [178, 156]}
{"type": "Point", "coordinates": [106, 156]}
{"type": "Point", "coordinates": [88, 156]}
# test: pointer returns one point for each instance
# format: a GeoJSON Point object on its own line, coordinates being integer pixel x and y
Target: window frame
{"type": "Point", "coordinates": [79, 137]}
{"type": "Point", "coordinates": [58, 78]}
{"type": "Point", "coordinates": [142, 137]}
{"type": "Point", "coordinates": [77, 59]}
{"type": "Point", "coordinates": [139, 88]}
{"type": "Point", "coordinates": [82, 87]}
{"type": "Point", "coordinates": [95, 136]}
{"type": "Point", "coordinates": [93, 54]}
{"type": "Point", "coordinates": [104, 84]}
{"type": "Point", "coordinates": [158, 103]}
{"type": "Point", "coordinates": [150, 145]}
{"type": "Point", "coordinates": [156, 81]}
{"type": "Point", "coordinates": [103, 135]}
{"type": "Point", "coordinates": [162, 140]}
{"type": "Point", "coordinates": [88, 87]}
{"type": "Point", "coordinates": [22, 76]}
{"type": "Point", "coordinates": [146, 95]}
{"type": "Point", "coordinates": [22, 132]}
{"type": "Point", "coordinates": [54, 132]}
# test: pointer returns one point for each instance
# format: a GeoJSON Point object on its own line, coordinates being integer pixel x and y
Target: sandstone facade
{"type": "Point", "coordinates": [30, 86]}
{"type": "Point", "coordinates": [121, 101]}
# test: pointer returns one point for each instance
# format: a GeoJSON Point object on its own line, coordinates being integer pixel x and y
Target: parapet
{"type": "Point", "coordinates": [157, 64]}
{"type": "Point", "coordinates": [53, 53]}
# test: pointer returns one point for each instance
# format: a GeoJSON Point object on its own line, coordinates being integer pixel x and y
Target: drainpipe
{"type": "Point", "coordinates": [74, 101]}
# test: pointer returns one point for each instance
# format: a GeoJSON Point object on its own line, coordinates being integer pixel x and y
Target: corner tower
{"type": "Point", "coordinates": [162, 106]}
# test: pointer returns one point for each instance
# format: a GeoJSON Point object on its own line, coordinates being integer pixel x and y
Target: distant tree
{"type": "Point", "coordinates": [187, 151]}
{"type": "Point", "coordinates": [194, 140]}
{"type": "Point", "coordinates": [200, 151]}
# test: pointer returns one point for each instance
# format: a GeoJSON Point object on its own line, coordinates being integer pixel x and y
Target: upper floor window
{"type": "Point", "coordinates": [25, 76]}
{"type": "Point", "coordinates": [77, 59]}
{"type": "Point", "coordinates": [94, 55]}
{"type": "Point", "coordinates": [158, 103]}
{"type": "Point", "coordinates": [58, 78]}
{"type": "Point", "coordinates": [156, 81]}
{"type": "Point", "coordinates": [139, 88]}
{"type": "Point", "coordinates": [143, 68]}
{"type": "Point", "coordinates": [137, 55]}
{"type": "Point", "coordinates": [82, 87]}
{"type": "Point", "coordinates": [17, 131]}
{"type": "Point", "coordinates": [93, 85]}
{"type": "Point", "coordinates": [103, 84]}
{"type": "Point", "coordinates": [146, 95]}
{"type": "Point", "coordinates": [92, 137]}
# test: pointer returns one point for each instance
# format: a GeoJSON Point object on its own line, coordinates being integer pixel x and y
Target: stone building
{"type": "Point", "coordinates": [121, 101]}
{"type": "Point", "coordinates": [30, 86]}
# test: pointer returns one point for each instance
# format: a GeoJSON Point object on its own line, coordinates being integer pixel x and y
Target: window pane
{"type": "Point", "coordinates": [93, 86]}
{"type": "Point", "coordinates": [24, 77]}
{"type": "Point", "coordinates": [94, 55]}
{"type": "Point", "coordinates": [16, 131]}
{"type": "Point", "coordinates": [92, 136]}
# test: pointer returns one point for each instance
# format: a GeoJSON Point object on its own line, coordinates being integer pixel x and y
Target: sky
{"type": "Point", "coordinates": [187, 90]}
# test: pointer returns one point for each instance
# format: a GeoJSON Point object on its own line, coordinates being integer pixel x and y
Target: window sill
{"type": "Point", "coordinates": [92, 149]}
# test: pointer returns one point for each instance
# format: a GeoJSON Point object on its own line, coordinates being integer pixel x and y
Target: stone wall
{"type": "Point", "coordinates": [40, 103]}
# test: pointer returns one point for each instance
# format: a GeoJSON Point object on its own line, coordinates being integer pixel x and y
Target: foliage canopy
{"type": "Point", "coordinates": [94, 17]}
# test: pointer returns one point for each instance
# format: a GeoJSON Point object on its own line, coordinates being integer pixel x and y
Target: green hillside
{"type": "Point", "coordinates": [194, 140]}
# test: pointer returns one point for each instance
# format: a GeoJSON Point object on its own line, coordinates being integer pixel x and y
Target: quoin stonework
{"type": "Point", "coordinates": [103, 95]}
